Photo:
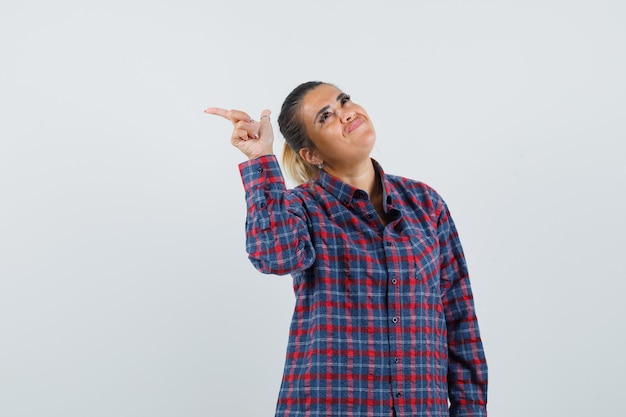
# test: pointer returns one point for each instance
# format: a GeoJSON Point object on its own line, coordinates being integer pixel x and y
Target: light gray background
{"type": "Point", "coordinates": [124, 285]}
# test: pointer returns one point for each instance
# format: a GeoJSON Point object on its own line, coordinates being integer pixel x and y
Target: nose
{"type": "Point", "coordinates": [347, 116]}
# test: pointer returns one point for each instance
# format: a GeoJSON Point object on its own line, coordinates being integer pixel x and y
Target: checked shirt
{"type": "Point", "coordinates": [384, 317]}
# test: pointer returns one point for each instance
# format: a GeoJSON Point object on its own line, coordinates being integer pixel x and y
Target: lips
{"type": "Point", "coordinates": [358, 122]}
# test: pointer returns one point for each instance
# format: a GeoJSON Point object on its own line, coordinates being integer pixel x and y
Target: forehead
{"type": "Point", "coordinates": [316, 99]}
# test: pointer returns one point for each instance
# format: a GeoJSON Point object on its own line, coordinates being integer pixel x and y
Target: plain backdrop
{"type": "Point", "coordinates": [125, 289]}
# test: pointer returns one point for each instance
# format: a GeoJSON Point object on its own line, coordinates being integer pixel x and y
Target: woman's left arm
{"type": "Point", "coordinates": [467, 370]}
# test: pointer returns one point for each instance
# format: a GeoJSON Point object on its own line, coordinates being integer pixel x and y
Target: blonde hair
{"type": "Point", "coordinates": [294, 132]}
{"type": "Point", "coordinates": [297, 168]}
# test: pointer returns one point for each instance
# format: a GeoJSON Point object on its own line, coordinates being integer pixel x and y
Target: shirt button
{"type": "Point", "coordinates": [396, 360]}
{"type": "Point", "coordinates": [394, 281]}
{"type": "Point", "coordinates": [395, 319]}
{"type": "Point", "coordinates": [259, 170]}
{"type": "Point", "coordinates": [398, 394]}
{"type": "Point", "coordinates": [369, 216]}
{"type": "Point", "coordinates": [388, 243]}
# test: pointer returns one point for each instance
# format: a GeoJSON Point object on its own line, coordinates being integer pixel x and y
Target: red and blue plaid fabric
{"type": "Point", "coordinates": [384, 317]}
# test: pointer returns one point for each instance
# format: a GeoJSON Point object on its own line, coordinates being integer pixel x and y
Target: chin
{"type": "Point", "coordinates": [371, 139]}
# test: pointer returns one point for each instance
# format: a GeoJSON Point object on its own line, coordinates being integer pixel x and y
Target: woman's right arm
{"type": "Point", "coordinates": [277, 238]}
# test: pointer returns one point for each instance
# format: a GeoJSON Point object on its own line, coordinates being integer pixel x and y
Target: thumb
{"type": "Point", "coordinates": [265, 116]}
{"type": "Point", "coordinates": [265, 120]}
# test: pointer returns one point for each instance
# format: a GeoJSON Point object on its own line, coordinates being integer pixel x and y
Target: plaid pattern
{"type": "Point", "coordinates": [384, 317]}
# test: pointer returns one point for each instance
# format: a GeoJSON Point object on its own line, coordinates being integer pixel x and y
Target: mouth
{"type": "Point", "coordinates": [358, 122]}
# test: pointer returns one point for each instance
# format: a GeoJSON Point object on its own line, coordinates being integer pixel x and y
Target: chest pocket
{"type": "Point", "coordinates": [424, 251]}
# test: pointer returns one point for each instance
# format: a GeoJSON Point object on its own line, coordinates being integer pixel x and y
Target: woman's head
{"type": "Point", "coordinates": [293, 130]}
{"type": "Point", "coordinates": [321, 125]}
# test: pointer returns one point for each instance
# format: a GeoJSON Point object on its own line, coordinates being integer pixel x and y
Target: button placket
{"type": "Point", "coordinates": [394, 310]}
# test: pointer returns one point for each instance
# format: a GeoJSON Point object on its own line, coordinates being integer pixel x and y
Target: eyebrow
{"type": "Point", "coordinates": [339, 97]}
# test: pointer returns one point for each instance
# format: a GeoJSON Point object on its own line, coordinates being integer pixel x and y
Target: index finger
{"type": "Point", "coordinates": [220, 112]}
{"type": "Point", "coordinates": [232, 115]}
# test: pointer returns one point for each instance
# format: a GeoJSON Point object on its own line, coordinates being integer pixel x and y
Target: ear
{"type": "Point", "coordinates": [310, 156]}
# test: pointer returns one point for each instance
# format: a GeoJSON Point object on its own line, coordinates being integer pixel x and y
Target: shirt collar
{"type": "Point", "coordinates": [345, 192]}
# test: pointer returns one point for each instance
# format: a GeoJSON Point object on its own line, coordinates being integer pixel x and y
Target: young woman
{"type": "Point", "coordinates": [384, 322]}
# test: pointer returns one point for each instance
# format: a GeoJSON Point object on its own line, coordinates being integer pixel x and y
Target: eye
{"type": "Point", "coordinates": [325, 116]}
{"type": "Point", "coordinates": [344, 99]}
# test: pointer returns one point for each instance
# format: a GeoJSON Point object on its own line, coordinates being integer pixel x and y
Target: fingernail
{"type": "Point", "coordinates": [256, 136]}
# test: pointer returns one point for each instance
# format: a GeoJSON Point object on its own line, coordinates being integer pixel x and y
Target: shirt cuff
{"type": "Point", "coordinates": [261, 172]}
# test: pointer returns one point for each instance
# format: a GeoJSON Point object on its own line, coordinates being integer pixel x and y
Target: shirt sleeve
{"type": "Point", "coordinates": [277, 236]}
{"type": "Point", "coordinates": [467, 369]}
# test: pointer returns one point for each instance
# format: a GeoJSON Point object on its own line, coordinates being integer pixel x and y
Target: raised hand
{"type": "Point", "coordinates": [253, 138]}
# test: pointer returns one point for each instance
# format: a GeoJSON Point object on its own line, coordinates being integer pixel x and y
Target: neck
{"type": "Point", "coordinates": [362, 176]}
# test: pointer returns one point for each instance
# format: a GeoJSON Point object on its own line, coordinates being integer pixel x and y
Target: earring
{"type": "Point", "coordinates": [320, 165]}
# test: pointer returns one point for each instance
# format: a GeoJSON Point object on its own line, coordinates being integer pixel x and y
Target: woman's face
{"type": "Point", "coordinates": [340, 130]}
